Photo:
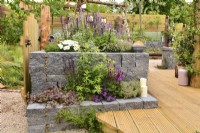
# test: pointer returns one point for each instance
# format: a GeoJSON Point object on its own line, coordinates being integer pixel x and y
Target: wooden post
{"type": "Point", "coordinates": [166, 36]}
{"type": "Point", "coordinates": [45, 26]}
{"type": "Point", "coordinates": [195, 80]}
{"type": "Point", "coordinates": [30, 33]}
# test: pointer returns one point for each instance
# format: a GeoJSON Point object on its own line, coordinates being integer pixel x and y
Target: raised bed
{"type": "Point", "coordinates": [47, 70]}
{"type": "Point", "coordinates": [41, 117]}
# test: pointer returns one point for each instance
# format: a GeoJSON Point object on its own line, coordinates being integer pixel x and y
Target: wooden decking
{"type": "Point", "coordinates": [179, 109]}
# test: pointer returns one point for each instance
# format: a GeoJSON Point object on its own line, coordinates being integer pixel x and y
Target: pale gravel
{"type": "Point", "coordinates": [12, 109]}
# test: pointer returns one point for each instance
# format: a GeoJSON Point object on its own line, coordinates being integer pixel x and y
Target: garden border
{"type": "Point", "coordinates": [40, 118]}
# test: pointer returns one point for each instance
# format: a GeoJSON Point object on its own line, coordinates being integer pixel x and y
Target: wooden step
{"type": "Point", "coordinates": [136, 121]}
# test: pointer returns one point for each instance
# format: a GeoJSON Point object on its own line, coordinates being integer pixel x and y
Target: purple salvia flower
{"type": "Point", "coordinates": [101, 31]}
{"type": "Point", "coordinates": [77, 24]}
{"type": "Point", "coordinates": [119, 75]}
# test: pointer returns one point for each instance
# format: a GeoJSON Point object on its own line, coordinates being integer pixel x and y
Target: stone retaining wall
{"type": "Point", "coordinates": [40, 117]}
{"type": "Point", "coordinates": [168, 58]}
{"type": "Point", "coordinates": [47, 69]}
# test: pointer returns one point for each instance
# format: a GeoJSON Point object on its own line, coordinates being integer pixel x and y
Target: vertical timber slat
{"type": "Point", "coordinates": [30, 32]}
{"type": "Point", "coordinates": [195, 80]}
{"type": "Point", "coordinates": [45, 26]}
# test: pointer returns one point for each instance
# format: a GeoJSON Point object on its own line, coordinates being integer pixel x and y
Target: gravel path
{"type": "Point", "coordinates": [12, 112]}
{"type": "Point", "coordinates": [12, 109]}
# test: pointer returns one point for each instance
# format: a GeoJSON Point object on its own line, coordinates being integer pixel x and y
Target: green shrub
{"type": "Point", "coordinates": [52, 48]}
{"type": "Point", "coordinates": [12, 27]}
{"type": "Point", "coordinates": [183, 47]}
{"type": "Point", "coordinates": [83, 119]}
{"type": "Point", "coordinates": [124, 46]}
{"type": "Point", "coordinates": [106, 42]}
{"type": "Point", "coordinates": [87, 80]}
{"type": "Point", "coordinates": [130, 89]}
{"type": "Point", "coordinates": [11, 61]}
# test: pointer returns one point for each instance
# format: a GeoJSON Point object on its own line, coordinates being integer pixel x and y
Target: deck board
{"type": "Point", "coordinates": [178, 111]}
{"type": "Point", "coordinates": [161, 123]}
{"type": "Point", "coordinates": [125, 122]}
{"type": "Point", "coordinates": [178, 103]}
{"type": "Point", "coordinates": [144, 124]}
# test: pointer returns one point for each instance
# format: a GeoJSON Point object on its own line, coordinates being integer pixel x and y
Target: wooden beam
{"type": "Point", "coordinates": [73, 4]}
{"type": "Point", "coordinates": [45, 26]}
{"type": "Point", "coordinates": [107, 3]}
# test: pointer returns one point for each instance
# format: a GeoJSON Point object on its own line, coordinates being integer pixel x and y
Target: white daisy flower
{"type": "Point", "coordinates": [75, 48]}
{"type": "Point", "coordinates": [65, 42]}
{"type": "Point", "coordinates": [60, 46]}
{"type": "Point", "coordinates": [66, 47]}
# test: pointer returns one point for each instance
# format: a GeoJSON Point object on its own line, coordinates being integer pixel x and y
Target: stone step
{"type": "Point", "coordinates": [41, 118]}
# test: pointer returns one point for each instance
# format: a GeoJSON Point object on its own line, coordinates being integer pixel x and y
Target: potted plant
{"type": "Point", "coordinates": [183, 47]}
{"type": "Point", "coordinates": [138, 47]}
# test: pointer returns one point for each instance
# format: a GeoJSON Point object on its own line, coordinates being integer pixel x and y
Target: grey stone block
{"type": "Point", "coordinates": [38, 114]}
{"type": "Point", "coordinates": [154, 44]}
{"type": "Point", "coordinates": [37, 58]}
{"type": "Point", "coordinates": [39, 86]}
{"type": "Point", "coordinates": [38, 77]}
{"type": "Point", "coordinates": [60, 127]}
{"type": "Point", "coordinates": [117, 58]}
{"type": "Point", "coordinates": [58, 61]}
{"type": "Point", "coordinates": [90, 104]}
{"type": "Point", "coordinates": [55, 63]}
{"type": "Point", "coordinates": [149, 102]}
{"type": "Point", "coordinates": [60, 79]}
{"type": "Point", "coordinates": [34, 70]}
{"type": "Point", "coordinates": [128, 60]}
{"type": "Point", "coordinates": [133, 103]}
{"type": "Point", "coordinates": [110, 106]}
{"type": "Point", "coordinates": [36, 129]}
{"type": "Point", "coordinates": [168, 57]}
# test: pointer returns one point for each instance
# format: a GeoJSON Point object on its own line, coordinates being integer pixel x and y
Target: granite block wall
{"type": "Point", "coordinates": [48, 69]}
{"type": "Point", "coordinates": [154, 45]}
{"type": "Point", "coordinates": [168, 57]}
{"type": "Point", "coordinates": [42, 118]}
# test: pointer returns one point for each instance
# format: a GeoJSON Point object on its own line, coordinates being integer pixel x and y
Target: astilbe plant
{"type": "Point", "coordinates": [114, 77]}
{"type": "Point", "coordinates": [55, 96]}
{"type": "Point", "coordinates": [111, 85]}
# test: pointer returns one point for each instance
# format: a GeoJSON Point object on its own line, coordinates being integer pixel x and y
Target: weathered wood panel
{"type": "Point", "coordinates": [45, 26]}
{"type": "Point", "coordinates": [30, 34]}
{"type": "Point", "coordinates": [195, 80]}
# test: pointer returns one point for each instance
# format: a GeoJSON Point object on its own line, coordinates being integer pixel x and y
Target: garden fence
{"type": "Point", "coordinates": [150, 23]}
